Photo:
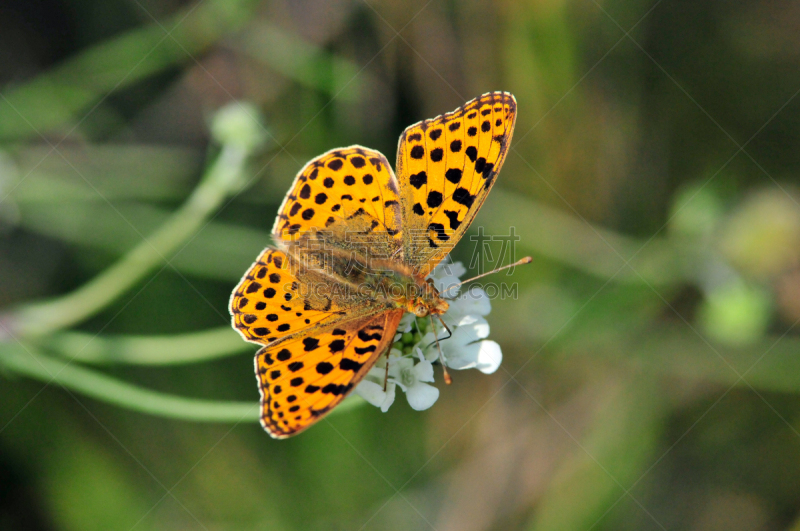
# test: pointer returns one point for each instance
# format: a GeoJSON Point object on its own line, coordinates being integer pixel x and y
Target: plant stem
{"type": "Point", "coordinates": [176, 349]}
{"type": "Point", "coordinates": [45, 317]}
{"type": "Point", "coordinates": [26, 361]}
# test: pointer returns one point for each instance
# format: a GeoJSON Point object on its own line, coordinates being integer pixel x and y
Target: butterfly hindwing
{"type": "Point", "coordinates": [271, 301]}
{"type": "Point", "coordinates": [446, 167]}
{"type": "Point", "coordinates": [303, 378]}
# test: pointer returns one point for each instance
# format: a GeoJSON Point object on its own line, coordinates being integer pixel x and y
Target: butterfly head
{"type": "Point", "coordinates": [428, 302]}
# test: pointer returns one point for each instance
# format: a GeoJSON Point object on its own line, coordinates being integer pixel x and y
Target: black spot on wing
{"type": "Point", "coordinates": [463, 197]}
{"type": "Point", "coordinates": [418, 179]}
{"type": "Point", "coordinates": [435, 198]}
{"type": "Point", "coordinates": [324, 367]}
{"type": "Point", "coordinates": [472, 153]}
{"type": "Point", "coordinates": [350, 365]}
{"type": "Point", "coordinates": [363, 335]}
{"type": "Point", "coordinates": [453, 217]}
{"type": "Point", "coordinates": [453, 175]}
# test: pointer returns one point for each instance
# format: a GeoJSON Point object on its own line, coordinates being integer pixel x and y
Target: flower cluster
{"type": "Point", "coordinates": [414, 351]}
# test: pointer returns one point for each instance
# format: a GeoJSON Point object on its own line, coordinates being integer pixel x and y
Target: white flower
{"type": "Point", "coordinates": [446, 278]}
{"type": "Point", "coordinates": [468, 347]}
{"type": "Point", "coordinates": [412, 356]}
{"type": "Point", "coordinates": [411, 378]}
{"type": "Point", "coordinates": [405, 374]}
{"type": "Point", "coordinates": [373, 393]}
{"type": "Point", "coordinates": [406, 323]}
{"type": "Point", "coordinates": [473, 301]}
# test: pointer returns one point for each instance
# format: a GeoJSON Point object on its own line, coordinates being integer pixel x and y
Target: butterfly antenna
{"type": "Point", "coordinates": [526, 260]}
{"type": "Point", "coordinates": [447, 378]}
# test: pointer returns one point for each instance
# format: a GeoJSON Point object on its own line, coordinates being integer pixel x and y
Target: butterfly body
{"type": "Point", "coordinates": [355, 277]}
{"type": "Point", "coordinates": [355, 244]}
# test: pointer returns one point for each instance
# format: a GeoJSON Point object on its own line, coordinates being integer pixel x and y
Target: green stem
{"type": "Point", "coordinates": [102, 387]}
{"type": "Point", "coordinates": [146, 350]}
{"type": "Point", "coordinates": [26, 361]}
{"type": "Point", "coordinates": [45, 317]}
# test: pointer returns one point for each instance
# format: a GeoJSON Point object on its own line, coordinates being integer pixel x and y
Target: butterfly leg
{"type": "Point", "coordinates": [386, 375]}
{"type": "Point", "coordinates": [447, 378]}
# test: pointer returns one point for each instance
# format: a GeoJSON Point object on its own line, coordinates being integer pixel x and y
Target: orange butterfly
{"type": "Point", "coordinates": [354, 244]}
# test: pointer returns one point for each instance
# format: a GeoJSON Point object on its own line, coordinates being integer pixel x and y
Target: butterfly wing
{"type": "Point", "coordinates": [352, 189]}
{"type": "Point", "coordinates": [276, 299]}
{"type": "Point", "coordinates": [303, 378]}
{"type": "Point", "coordinates": [446, 167]}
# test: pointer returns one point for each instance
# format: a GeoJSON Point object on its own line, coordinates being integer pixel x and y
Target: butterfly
{"type": "Point", "coordinates": [354, 243]}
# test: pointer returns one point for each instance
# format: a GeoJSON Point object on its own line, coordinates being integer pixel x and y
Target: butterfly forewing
{"type": "Point", "coordinates": [353, 187]}
{"type": "Point", "coordinates": [446, 167]}
{"type": "Point", "coordinates": [302, 379]}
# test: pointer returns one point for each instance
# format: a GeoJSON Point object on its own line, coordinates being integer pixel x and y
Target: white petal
{"type": "Point", "coordinates": [389, 400]}
{"type": "Point", "coordinates": [405, 323]}
{"type": "Point", "coordinates": [376, 374]}
{"type": "Point", "coordinates": [423, 371]}
{"type": "Point", "coordinates": [469, 333]}
{"type": "Point", "coordinates": [465, 357]}
{"type": "Point", "coordinates": [371, 392]}
{"type": "Point", "coordinates": [473, 301]}
{"type": "Point", "coordinates": [399, 384]}
{"type": "Point", "coordinates": [396, 365]}
{"type": "Point", "coordinates": [428, 346]}
{"type": "Point", "coordinates": [463, 339]}
{"type": "Point", "coordinates": [422, 396]}
{"type": "Point", "coordinates": [455, 269]}
{"type": "Point", "coordinates": [447, 285]}
{"type": "Point", "coordinates": [448, 268]}
{"type": "Point", "coordinates": [489, 357]}
{"type": "Point", "coordinates": [483, 355]}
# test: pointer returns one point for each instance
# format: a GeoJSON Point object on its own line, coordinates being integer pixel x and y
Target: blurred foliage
{"type": "Point", "coordinates": [651, 375]}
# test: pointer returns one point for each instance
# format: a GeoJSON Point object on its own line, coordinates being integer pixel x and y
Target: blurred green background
{"type": "Point", "coordinates": [651, 378]}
